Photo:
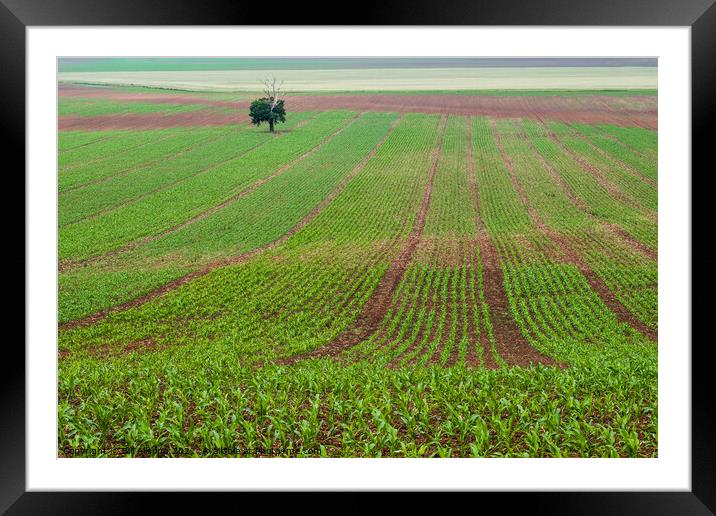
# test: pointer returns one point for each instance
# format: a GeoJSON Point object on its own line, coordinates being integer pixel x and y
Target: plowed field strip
{"type": "Point", "coordinates": [377, 306]}
{"type": "Point", "coordinates": [68, 264]}
{"type": "Point", "coordinates": [590, 109]}
{"type": "Point", "coordinates": [86, 321]}
{"type": "Point", "coordinates": [571, 256]}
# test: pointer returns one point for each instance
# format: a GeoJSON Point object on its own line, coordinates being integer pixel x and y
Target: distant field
{"type": "Point", "coordinates": [248, 94]}
{"type": "Point", "coordinates": [380, 79]}
{"type": "Point", "coordinates": [475, 281]}
{"type": "Point", "coordinates": [135, 64]}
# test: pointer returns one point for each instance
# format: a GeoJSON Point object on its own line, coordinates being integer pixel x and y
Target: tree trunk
{"type": "Point", "coordinates": [271, 125]}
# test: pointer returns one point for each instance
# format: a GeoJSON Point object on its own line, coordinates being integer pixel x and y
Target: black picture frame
{"type": "Point", "coordinates": [700, 15]}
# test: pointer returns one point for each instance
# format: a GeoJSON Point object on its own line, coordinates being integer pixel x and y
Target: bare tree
{"type": "Point", "coordinates": [272, 89]}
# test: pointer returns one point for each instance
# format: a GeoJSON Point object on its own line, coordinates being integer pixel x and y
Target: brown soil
{"type": "Point", "coordinates": [569, 254]}
{"type": "Point", "coordinates": [173, 285]}
{"type": "Point", "coordinates": [589, 109]}
{"type": "Point", "coordinates": [375, 309]}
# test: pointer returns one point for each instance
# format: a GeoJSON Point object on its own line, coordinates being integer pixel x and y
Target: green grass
{"type": "Point", "coordinates": [195, 371]}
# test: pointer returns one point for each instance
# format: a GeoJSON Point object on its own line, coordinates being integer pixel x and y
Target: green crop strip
{"type": "Point", "coordinates": [643, 165]}
{"type": "Point", "coordinates": [203, 157]}
{"type": "Point", "coordinates": [147, 152]}
{"type": "Point", "coordinates": [644, 194]}
{"type": "Point", "coordinates": [430, 310]}
{"type": "Point", "coordinates": [586, 236]}
{"type": "Point", "coordinates": [248, 223]}
{"type": "Point", "coordinates": [644, 141]}
{"type": "Point", "coordinates": [164, 209]}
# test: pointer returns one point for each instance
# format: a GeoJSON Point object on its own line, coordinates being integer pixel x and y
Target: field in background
{"type": "Point", "coordinates": [455, 276]}
{"type": "Point", "coordinates": [368, 79]}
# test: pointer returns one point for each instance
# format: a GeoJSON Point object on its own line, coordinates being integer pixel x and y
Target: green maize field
{"type": "Point", "coordinates": [357, 284]}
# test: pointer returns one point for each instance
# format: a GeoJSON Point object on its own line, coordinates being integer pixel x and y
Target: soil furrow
{"type": "Point", "coordinates": [377, 306]}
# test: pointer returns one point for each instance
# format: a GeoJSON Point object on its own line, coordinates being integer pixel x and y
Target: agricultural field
{"type": "Point", "coordinates": [391, 274]}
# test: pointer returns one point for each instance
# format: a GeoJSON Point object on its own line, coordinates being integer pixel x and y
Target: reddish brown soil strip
{"type": "Point", "coordinates": [139, 121]}
{"type": "Point", "coordinates": [173, 285]}
{"type": "Point", "coordinates": [634, 172]}
{"type": "Point", "coordinates": [572, 257]}
{"type": "Point", "coordinates": [70, 264]}
{"type": "Point", "coordinates": [588, 109]}
{"type": "Point", "coordinates": [377, 306]}
{"type": "Point", "coordinates": [633, 243]}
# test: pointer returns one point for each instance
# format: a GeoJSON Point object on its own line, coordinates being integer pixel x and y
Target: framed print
{"type": "Point", "coordinates": [447, 251]}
